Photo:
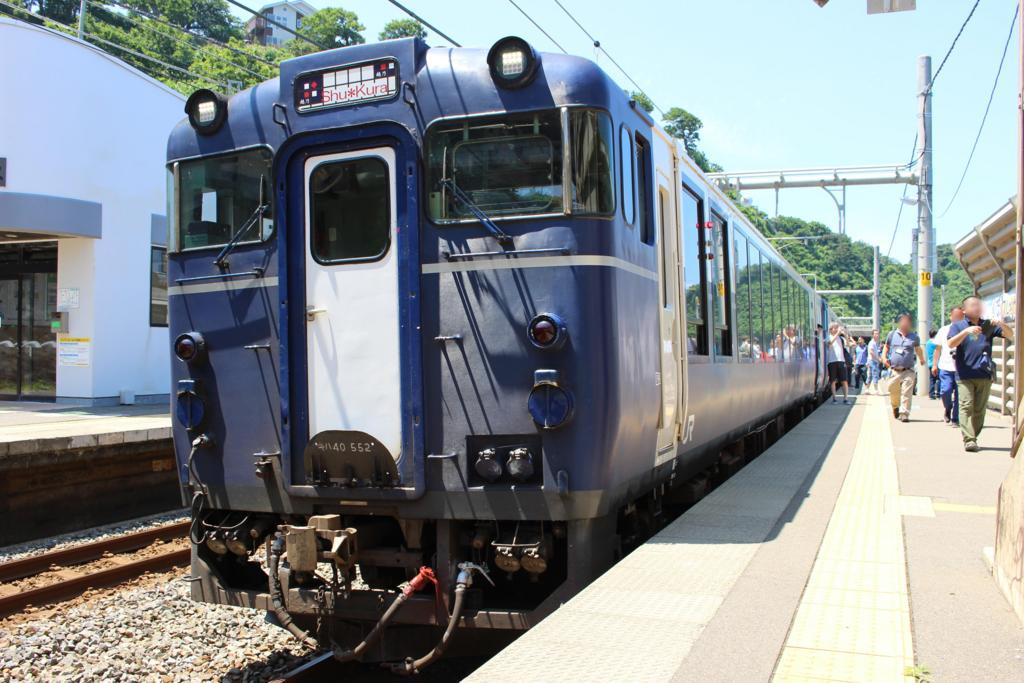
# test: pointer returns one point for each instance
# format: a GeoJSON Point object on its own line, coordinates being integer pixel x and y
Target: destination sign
{"type": "Point", "coordinates": [341, 86]}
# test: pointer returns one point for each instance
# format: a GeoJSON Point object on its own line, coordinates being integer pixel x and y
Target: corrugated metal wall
{"type": "Point", "coordinates": [987, 254]}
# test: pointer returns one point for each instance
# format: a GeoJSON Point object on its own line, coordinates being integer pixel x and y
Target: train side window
{"type": "Point", "coordinates": [762, 304]}
{"type": "Point", "coordinates": [349, 210]}
{"type": "Point", "coordinates": [695, 275]}
{"type": "Point", "coordinates": [780, 310]}
{"type": "Point", "coordinates": [643, 183]}
{"type": "Point", "coordinates": [626, 174]}
{"type": "Point", "coordinates": [722, 291]}
{"type": "Point", "coordinates": [743, 331]}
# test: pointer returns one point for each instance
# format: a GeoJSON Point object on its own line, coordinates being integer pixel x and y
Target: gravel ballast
{"type": "Point", "coordinates": [151, 631]}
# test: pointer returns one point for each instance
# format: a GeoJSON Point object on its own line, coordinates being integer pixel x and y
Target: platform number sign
{"type": "Point", "coordinates": [926, 278]}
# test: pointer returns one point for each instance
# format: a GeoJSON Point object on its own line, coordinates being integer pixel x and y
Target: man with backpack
{"type": "Point", "coordinates": [836, 354]}
{"type": "Point", "coordinates": [902, 349]}
{"type": "Point", "coordinates": [971, 343]}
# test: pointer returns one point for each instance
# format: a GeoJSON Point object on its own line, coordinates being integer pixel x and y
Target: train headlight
{"type": "Point", "coordinates": [206, 111]}
{"type": "Point", "coordinates": [190, 347]}
{"type": "Point", "coordinates": [513, 62]}
{"type": "Point", "coordinates": [547, 331]}
{"type": "Point", "coordinates": [550, 404]}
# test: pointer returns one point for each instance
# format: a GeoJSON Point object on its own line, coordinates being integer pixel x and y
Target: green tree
{"type": "Point", "coordinates": [402, 28]}
{"type": "Point", "coordinates": [681, 124]}
{"type": "Point", "coordinates": [211, 18]}
{"type": "Point", "coordinates": [645, 102]}
{"type": "Point", "coordinates": [329, 28]}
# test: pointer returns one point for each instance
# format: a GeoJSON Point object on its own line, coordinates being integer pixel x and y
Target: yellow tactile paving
{"type": "Point", "coordinates": [853, 621]}
{"type": "Point", "coordinates": [960, 507]}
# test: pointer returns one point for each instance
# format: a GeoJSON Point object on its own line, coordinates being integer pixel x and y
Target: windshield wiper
{"type": "Point", "coordinates": [477, 212]}
{"type": "Point", "coordinates": [256, 217]}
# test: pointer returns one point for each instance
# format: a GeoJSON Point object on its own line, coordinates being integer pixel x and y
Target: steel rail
{"type": "Point", "coordinates": [72, 587]}
{"type": "Point", "coordinates": [308, 672]}
{"type": "Point", "coordinates": [87, 552]}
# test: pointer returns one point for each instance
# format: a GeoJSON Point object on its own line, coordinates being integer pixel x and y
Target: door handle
{"type": "Point", "coordinates": [311, 312]}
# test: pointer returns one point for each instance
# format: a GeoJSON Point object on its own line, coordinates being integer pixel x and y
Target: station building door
{"type": "Point", "coordinates": [28, 339]}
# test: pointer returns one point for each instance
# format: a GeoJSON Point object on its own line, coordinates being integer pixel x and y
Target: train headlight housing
{"type": "Point", "coordinates": [206, 111]}
{"type": "Point", "coordinates": [513, 62]}
{"type": "Point", "coordinates": [190, 347]}
{"type": "Point", "coordinates": [547, 331]}
{"type": "Point", "coordinates": [550, 404]}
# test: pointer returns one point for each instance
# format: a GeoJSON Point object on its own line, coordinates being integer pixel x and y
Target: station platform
{"type": "Point", "coordinates": [65, 467]}
{"type": "Point", "coordinates": [850, 550]}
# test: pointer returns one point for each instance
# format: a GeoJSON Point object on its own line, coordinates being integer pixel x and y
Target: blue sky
{"type": "Point", "coordinates": [784, 84]}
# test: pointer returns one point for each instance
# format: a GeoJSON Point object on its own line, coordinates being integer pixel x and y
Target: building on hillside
{"type": "Point", "coordinates": [288, 13]}
{"type": "Point", "coordinates": [987, 255]}
{"type": "Point", "coordinates": [83, 236]}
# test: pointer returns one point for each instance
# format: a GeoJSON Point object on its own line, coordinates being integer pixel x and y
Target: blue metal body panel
{"type": "Point", "coordinates": [478, 386]}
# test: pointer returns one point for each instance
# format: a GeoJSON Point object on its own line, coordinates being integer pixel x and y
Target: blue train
{"type": "Point", "coordinates": [451, 326]}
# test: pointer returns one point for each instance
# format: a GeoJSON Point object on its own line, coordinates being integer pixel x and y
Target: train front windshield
{"type": "Point", "coordinates": [518, 165]}
{"type": "Point", "coordinates": [216, 196]}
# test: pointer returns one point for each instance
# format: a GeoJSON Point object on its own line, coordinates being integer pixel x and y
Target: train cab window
{"type": "Point", "coordinates": [626, 174]}
{"type": "Point", "coordinates": [643, 183]}
{"type": "Point", "coordinates": [349, 210]}
{"type": "Point", "coordinates": [695, 275]}
{"type": "Point", "coordinates": [507, 165]}
{"type": "Point", "coordinates": [217, 197]}
{"type": "Point", "coordinates": [722, 289]}
{"type": "Point", "coordinates": [744, 331]}
{"type": "Point", "coordinates": [513, 165]}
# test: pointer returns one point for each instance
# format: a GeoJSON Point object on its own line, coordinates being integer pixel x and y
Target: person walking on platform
{"type": "Point", "coordinates": [860, 361]}
{"type": "Point", "coordinates": [971, 341]}
{"type": "Point", "coordinates": [898, 353]}
{"type": "Point", "coordinates": [874, 361]}
{"type": "Point", "coordinates": [944, 367]}
{"type": "Point", "coordinates": [836, 352]}
{"type": "Point", "coordinates": [929, 356]}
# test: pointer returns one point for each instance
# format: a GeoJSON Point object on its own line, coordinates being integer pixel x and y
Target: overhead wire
{"type": "Point", "coordinates": [539, 27]}
{"type": "Point", "coordinates": [598, 46]}
{"type": "Point", "coordinates": [181, 41]}
{"type": "Point", "coordinates": [914, 156]}
{"type": "Point", "coordinates": [423, 21]}
{"type": "Point", "coordinates": [207, 39]}
{"type": "Point", "coordinates": [984, 118]}
{"type": "Point", "coordinates": [74, 30]}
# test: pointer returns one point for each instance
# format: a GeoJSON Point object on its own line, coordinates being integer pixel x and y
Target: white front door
{"type": "Point", "coordinates": [352, 328]}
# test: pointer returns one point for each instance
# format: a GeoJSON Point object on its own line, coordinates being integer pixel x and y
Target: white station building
{"type": "Point", "coordinates": [83, 236]}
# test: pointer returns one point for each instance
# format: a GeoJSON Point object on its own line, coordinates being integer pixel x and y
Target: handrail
{"type": "Point", "coordinates": [255, 272]}
{"type": "Point", "coordinates": [449, 256]}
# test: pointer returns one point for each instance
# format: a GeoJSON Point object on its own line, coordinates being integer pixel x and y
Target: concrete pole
{"type": "Point", "coordinates": [81, 19]}
{"type": "Point", "coordinates": [876, 300]}
{"type": "Point", "coordinates": [1018, 357]}
{"type": "Point", "coordinates": [925, 234]}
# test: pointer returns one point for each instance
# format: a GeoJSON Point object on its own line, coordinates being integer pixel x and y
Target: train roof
{"type": "Point", "coordinates": [434, 83]}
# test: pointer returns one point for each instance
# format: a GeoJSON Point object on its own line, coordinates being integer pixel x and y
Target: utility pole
{"type": "Point", "coordinates": [942, 305]}
{"type": "Point", "coordinates": [876, 300]}
{"type": "Point", "coordinates": [925, 230]}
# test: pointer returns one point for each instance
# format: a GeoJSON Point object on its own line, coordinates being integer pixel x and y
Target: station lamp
{"type": "Point", "coordinates": [513, 62]}
{"type": "Point", "coordinates": [206, 111]}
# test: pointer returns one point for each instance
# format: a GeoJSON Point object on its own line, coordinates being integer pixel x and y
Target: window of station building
{"type": "Point", "coordinates": [512, 165]}
{"type": "Point", "coordinates": [349, 210]}
{"type": "Point", "coordinates": [644, 190]}
{"type": "Point", "coordinates": [744, 303]}
{"type": "Point", "coordinates": [218, 196]}
{"type": "Point", "coordinates": [626, 174]}
{"type": "Point", "coordinates": [695, 275]}
{"type": "Point", "coordinates": [157, 286]}
{"type": "Point", "coordinates": [722, 287]}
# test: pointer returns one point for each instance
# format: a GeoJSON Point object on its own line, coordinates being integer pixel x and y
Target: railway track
{"type": "Point", "coordinates": [73, 575]}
